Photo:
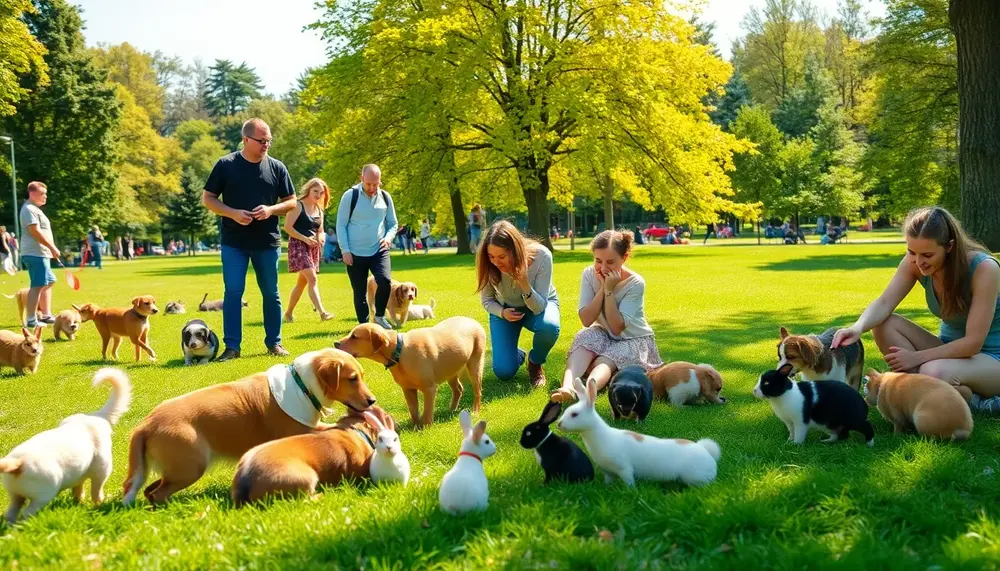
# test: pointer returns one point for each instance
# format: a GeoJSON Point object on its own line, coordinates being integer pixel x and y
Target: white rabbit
{"type": "Point", "coordinates": [465, 487]}
{"type": "Point", "coordinates": [388, 463]}
{"type": "Point", "coordinates": [630, 455]}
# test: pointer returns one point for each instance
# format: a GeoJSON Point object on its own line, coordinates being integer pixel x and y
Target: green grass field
{"type": "Point", "coordinates": [906, 503]}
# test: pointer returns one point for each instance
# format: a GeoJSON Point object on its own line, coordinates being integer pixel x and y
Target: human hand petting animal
{"type": "Point", "coordinates": [846, 336]}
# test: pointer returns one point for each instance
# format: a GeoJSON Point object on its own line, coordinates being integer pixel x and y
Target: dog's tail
{"type": "Point", "coordinates": [242, 484]}
{"type": "Point", "coordinates": [433, 303]}
{"type": "Point", "coordinates": [711, 447]}
{"type": "Point", "coordinates": [11, 465]}
{"type": "Point", "coordinates": [121, 393]}
{"type": "Point", "coordinates": [136, 466]}
{"type": "Point", "coordinates": [961, 434]}
{"type": "Point", "coordinates": [201, 305]}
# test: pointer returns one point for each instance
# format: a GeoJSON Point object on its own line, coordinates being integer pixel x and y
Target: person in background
{"type": "Point", "coordinates": [95, 241]}
{"type": "Point", "coordinates": [425, 234]}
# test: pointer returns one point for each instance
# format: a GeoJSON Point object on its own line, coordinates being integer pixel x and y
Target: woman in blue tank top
{"type": "Point", "coordinates": [962, 287]}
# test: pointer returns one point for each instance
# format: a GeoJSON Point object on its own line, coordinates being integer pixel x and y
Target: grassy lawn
{"type": "Point", "coordinates": [906, 503]}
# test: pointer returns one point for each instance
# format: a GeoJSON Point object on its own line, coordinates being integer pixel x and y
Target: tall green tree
{"type": "Point", "coordinates": [800, 110]}
{"type": "Point", "coordinates": [758, 172]}
{"type": "Point", "coordinates": [977, 33]}
{"type": "Point", "coordinates": [136, 71]}
{"type": "Point", "coordinates": [230, 88]}
{"type": "Point", "coordinates": [21, 53]}
{"type": "Point", "coordinates": [186, 216]}
{"type": "Point", "coordinates": [69, 125]}
{"type": "Point", "coordinates": [912, 157]}
{"type": "Point", "coordinates": [727, 106]}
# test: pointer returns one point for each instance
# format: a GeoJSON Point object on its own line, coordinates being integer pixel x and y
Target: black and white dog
{"type": "Point", "coordinates": [199, 343]}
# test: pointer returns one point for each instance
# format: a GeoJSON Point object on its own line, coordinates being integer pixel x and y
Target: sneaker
{"type": "Point", "coordinates": [988, 406]}
{"type": "Point", "coordinates": [382, 322]}
{"type": "Point", "coordinates": [277, 350]}
{"type": "Point", "coordinates": [33, 323]}
{"type": "Point", "coordinates": [228, 355]}
{"type": "Point", "coordinates": [537, 375]}
{"type": "Point", "coordinates": [47, 319]}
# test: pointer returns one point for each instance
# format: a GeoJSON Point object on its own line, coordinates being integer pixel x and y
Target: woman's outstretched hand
{"type": "Point", "coordinates": [847, 336]}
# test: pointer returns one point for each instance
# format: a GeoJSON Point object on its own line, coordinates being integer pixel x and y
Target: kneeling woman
{"type": "Point", "coordinates": [615, 334]}
{"type": "Point", "coordinates": [515, 285]}
{"type": "Point", "coordinates": [961, 282]}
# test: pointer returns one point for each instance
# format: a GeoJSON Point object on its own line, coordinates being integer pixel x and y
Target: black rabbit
{"type": "Point", "coordinates": [560, 457]}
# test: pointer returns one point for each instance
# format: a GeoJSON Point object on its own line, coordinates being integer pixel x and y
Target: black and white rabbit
{"type": "Point", "coordinates": [631, 393]}
{"type": "Point", "coordinates": [560, 457]}
{"type": "Point", "coordinates": [831, 406]}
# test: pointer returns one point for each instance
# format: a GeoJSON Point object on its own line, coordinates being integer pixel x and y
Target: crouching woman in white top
{"type": "Point", "coordinates": [615, 333]}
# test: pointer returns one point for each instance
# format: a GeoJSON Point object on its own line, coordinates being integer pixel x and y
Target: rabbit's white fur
{"type": "Point", "coordinates": [629, 455]}
{"type": "Point", "coordinates": [465, 487]}
{"type": "Point", "coordinates": [388, 463]}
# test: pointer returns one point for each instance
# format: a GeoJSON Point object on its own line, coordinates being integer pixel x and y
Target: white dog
{"type": "Point", "coordinates": [417, 312]}
{"type": "Point", "coordinates": [64, 457]}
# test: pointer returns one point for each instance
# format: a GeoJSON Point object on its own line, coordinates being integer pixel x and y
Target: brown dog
{"type": "Point", "coordinates": [298, 464]}
{"type": "Point", "coordinates": [424, 358]}
{"type": "Point", "coordinates": [22, 301]}
{"type": "Point", "coordinates": [931, 406]}
{"type": "Point", "coordinates": [21, 352]}
{"type": "Point", "coordinates": [67, 323]}
{"type": "Point", "coordinates": [401, 295]}
{"type": "Point", "coordinates": [683, 383]}
{"type": "Point", "coordinates": [183, 435]}
{"type": "Point", "coordinates": [113, 323]}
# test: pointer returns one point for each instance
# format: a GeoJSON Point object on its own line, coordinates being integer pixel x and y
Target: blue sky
{"type": "Point", "coordinates": [271, 38]}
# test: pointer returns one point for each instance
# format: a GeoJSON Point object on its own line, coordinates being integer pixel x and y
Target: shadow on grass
{"type": "Point", "coordinates": [834, 262]}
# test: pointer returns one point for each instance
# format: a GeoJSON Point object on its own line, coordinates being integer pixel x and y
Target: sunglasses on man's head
{"type": "Point", "coordinates": [264, 142]}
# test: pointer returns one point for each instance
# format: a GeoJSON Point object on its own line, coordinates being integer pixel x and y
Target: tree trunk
{"type": "Point", "coordinates": [976, 24]}
{"type": "Point", "coordinates": [457, 209]}
{"type": "Point", "coordinates": [572, 228]}
{"type": "Point", "coordinates": [609, 203]}
{"type": "Point", "coordinates": [758, 232]}
{"type": "Point", "coordinates": [535, 186]}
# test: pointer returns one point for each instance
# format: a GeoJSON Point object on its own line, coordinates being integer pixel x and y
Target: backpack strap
{"type": "Point", "coordinates": [354, 201]}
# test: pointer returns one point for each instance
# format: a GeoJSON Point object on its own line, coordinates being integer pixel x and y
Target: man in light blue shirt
{"type": "Point", "coordinates": [366, 225]}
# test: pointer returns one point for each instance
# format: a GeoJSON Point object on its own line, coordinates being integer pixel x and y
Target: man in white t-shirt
{"type": "Point", "coordinates": [37, 251]}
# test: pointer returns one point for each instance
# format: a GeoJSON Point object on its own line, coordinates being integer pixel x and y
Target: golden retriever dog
{"type": "Point", "coordinates": [401, 296]}
{"type": "Point", "coordinates": [421, 359]}
{"type": "Point", "coordinates": [113, 323]}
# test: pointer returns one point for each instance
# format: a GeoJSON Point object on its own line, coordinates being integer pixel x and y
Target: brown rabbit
{"type": "Point", "coordinates": [21, 352]}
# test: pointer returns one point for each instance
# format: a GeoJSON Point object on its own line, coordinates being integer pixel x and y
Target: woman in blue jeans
{"type": "Point", "coordinates": [515, 285]}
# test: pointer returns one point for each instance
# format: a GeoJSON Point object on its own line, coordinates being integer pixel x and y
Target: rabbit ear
{"type": "Point", "coordinates": [373, 421]}
{"type": "Point", "coordinates": [478, 431]}
{"type": "Point", "coordinates": [786, 370]}
{"type": "Point", "coordinates": [466, 421]}
{"type": "Point", "coordinates": [551, 413]}
{"type": "Point", "coordinates": [592, 391]}
{"type": "Point", "coordinates": [579, 389]}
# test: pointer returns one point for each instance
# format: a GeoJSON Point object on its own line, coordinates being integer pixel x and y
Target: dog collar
{"type": "Point", "coordinates": [302, 386]}
{"type": "Point", "coordinates": [471, 455]}
{"type": "Point", "coordinates": [543, 440]}
{"type": "Point", "coordinates": [364, 436]}
{"type": "Point", "coordinates": [394, 360]}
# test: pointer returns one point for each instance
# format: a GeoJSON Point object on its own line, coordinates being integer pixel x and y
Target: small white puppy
{"type": "Point", "coordinates": [64, 457]}
{"type": "Point", "coordinates": [417, 312]}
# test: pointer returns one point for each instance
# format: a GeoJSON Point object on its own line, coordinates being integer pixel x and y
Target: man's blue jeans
{"type": "Point", "coordinates": [235, 262]}
{"type": "Point", "coordinates": [504, 335]}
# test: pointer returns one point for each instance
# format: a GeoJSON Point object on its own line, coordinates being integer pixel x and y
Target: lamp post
{"type": "Point", "coordinates": [13, 184]}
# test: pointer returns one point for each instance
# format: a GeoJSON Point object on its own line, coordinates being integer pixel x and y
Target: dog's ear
{"type": "Point", "coordinates": [783, 332]}
{"type": "Point", "coordinates": [478, 431]}
{"type": "Point", "coordinates": [808, 351]}
{"type": "Point", "coordinates": [76, 307]}
{"type": "Point", "coordinates": [551, 413]}
{"type": "Point", "coordinates": [24, 331]}
{"type": "Point", "coordinates": [380, 340]}
{"type": "Point", "coordinates": [414, 290]}
{"type": "Point", "coordinates": [327, 369]}
{"type": "Point", "coordinates": [136, 300]}
{"type": "Point", "coordinates": [38, 333]}
{"type": "Point", "coordinates": [786, 370]}
{"type": "Point", "coordinates": [398, 293]}
{"type": "Point", "coordinates": [874, 375]}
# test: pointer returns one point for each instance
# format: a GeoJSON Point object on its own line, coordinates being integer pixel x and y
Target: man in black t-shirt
{"type": "Point", "coordinates": [255, 190]}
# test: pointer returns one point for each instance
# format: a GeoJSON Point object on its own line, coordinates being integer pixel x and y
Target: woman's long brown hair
{"type": "Point", "coordinates": [936, 223]}
{"type": "Point", "coordinates": [520, 249]}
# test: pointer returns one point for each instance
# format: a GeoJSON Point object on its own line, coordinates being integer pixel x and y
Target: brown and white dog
{"type": "Point", "coordinates": [930, 406]}
{"type": "Point", "coordinates": [424, 358]}
{"type": "Point", "coordinates": [298, 464]}
{"type": "Point", "coordinates": [182, 436]}
{"type": "Point", "coordinates": [113, 323]}
{"type": "Point", "coordinates": [813, 358]}
{"type": "Point", "coordinates": [684, 383]}
{"type": "Point", "coordinates": [401, 295]}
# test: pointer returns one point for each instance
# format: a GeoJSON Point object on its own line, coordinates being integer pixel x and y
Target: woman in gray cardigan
{"type": "Point", "coordinates": [515, 285]}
